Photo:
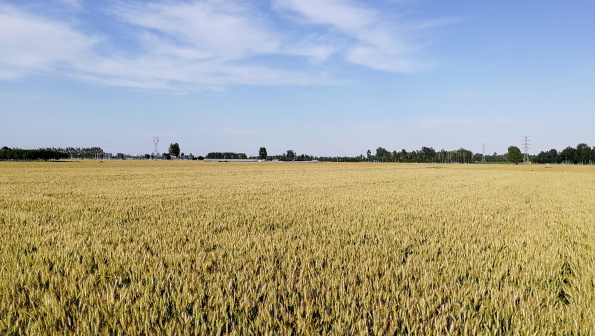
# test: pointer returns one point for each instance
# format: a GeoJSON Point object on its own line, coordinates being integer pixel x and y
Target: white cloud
{"type": "Point", "coordinates": [206, 44]}
{"type": "Point", "coordinates": [31, 44]}
{"type": "Point", "coordinates": [369, 38]}
{"type": "Point", "coordinates": [186, 45]}
{"type": "Point", "coordinates": [74, 4]}
{"type": "Point", "coordinates": [166, 73]}
{"type": "Point", "coordinates": [222, 29]}
{"type": "Point", "coordinates": [343, 15]}
{"type": "Point", "coordinates": [376, 58]}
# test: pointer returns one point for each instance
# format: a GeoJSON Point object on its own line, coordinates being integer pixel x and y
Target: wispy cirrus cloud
{"type": "Point", "coordinates": [224, 30]}
{"type": "Point", "coordinates": [205, 44]}
{"type": "Point", "coordinates": [73, 4]}
{"type": "Point", "coordinates": [368, 37]}
{"type": "Point", "coordinates": [30, 44]}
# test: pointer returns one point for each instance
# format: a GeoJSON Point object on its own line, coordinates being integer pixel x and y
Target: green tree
{"type": "Point", "coordinates": [465, 155]}
{"type": "Point", "coordinates": [569, 155]}
{"type": "Point", "coordinates": [383, 155]}
{"type": "Point", "coordinates": [429, 154]}
{"type": "Point", "coordinates": [290, 156]}
{"type": "Point", "coordinates": [174, 150]}
{"type": "Point", "coordinates": [514, 154]}
{"type": "Point", "coordinates": [403, 156]}
{"type": "Point", "coordinates": [583, 153]}
{"type": "Point", "coordinates": [552, 156]}
{"type": "Point", "coordinates": [262, 153]}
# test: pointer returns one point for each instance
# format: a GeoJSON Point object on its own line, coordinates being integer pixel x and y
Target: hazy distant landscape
{"type": "Point", "coordinates": [581, 154]}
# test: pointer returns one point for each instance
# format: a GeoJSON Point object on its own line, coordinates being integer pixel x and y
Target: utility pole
{"type": "Point", "coordinates": [526, 151]}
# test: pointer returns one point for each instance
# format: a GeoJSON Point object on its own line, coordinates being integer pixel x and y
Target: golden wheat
{"type": "Point", "coordinates": [279, 248]}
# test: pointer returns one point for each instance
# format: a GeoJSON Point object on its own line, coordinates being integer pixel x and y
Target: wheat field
{"type": "Point", "coordinates": [208, 248]}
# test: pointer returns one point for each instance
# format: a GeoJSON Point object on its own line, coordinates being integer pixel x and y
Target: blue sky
{"type": "Point", "coordinates": [322, 77]}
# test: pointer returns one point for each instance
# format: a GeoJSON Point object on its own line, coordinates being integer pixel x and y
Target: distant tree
{"type": "Point", "coordinates": [383, 155]}
{"type": "Point", "coordinates": [514, 154]}
{"type": "Point", "coordinates": [290, 155]}
{"type": "Point", "coordinates": [441, 156]}
{"type": "Point", "coordinates": [569, 155]}
{"type": "Point", "coordinates": [403, 156]}
{"type": "Point", "coordinates": [369, 154]}
{"type": "Point", "coordinates": [262, 153]}
{"type": "Point", "coordinates": [429, 154]}
{"type": "Point", "coordinates": [583, 153]}
{"type": "Point", "coordinates": [464, 155]}
{"type": "Point", "coordinates": [174, 150]}
{"type": "Point", "coordinates": [540, 158]}
{"type": "Point", "coordinates": [552, 156]}
{"type": "Point", "coordinates": [167, 156]}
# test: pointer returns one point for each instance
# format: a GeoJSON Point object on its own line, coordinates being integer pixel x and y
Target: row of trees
{"type": "Point", "coordinates": [582, 154]}
{"type": "Point", "coordinates": [82, 152]}
{"type": "Point", "coordinates": [59, 153]}
{"type": "Point", "coordinates": [226, 156]}
{"type": "Point", "coordinates": [424, 155]}
{"type": "Point", "coordinates": [16, 154]}
{"type": "Point", "coordinates": [290, 155]}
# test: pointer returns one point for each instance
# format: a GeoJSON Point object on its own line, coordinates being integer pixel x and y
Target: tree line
{"type": "Point", "coordinates": [82, 152]}
{"type": "Point", "coordinates": [46, 154]}
{"type": "Point", "coordinates": [226, 156]}
{"type": "Point", "coordinates": [17, 154]}
{"type": "Point", "coordinates": [581, 154]}
{"type": "Point", "coordinates": [424, 155]}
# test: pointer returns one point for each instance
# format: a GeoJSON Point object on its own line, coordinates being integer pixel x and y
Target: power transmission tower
{"type": "Point", "coordinates": [483, 155]}
{"type": "Point", "coordinates": [156, 152]}
{"type": "Point", "coordinates": [526, 151]}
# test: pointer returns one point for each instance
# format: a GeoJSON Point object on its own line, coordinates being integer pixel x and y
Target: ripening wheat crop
{"type": "Point", "coordinates": [176, 248]}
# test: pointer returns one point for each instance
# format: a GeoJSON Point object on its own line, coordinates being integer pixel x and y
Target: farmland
{"type": "Point", "coordinates": [121, 247]}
